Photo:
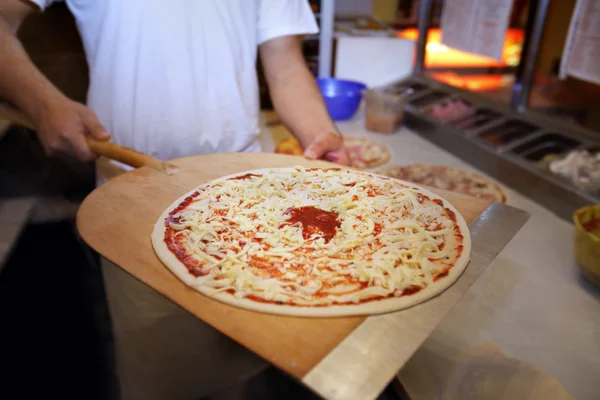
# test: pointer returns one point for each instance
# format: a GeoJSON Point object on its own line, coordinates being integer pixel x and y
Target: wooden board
{"type": "Point", "coordinates": [117, 220]}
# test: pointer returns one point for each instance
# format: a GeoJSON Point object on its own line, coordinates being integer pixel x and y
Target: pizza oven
{"type": "Point", "coordinates": [509, 141]}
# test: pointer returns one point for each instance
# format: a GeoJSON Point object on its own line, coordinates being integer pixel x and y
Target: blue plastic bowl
{"type": "Point", "coordinates": [341, 97]}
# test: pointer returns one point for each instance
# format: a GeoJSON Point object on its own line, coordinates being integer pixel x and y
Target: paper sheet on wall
{"type": "Point", "coordinates": [476, 26]}
{"type": "Point", "coordinates": [581, 55]}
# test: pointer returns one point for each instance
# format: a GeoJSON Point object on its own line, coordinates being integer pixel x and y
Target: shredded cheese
{"type": "Point", "coordinates": [390, 237]}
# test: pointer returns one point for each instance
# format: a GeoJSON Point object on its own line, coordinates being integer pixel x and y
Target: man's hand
{"type": "Point", "coordinates": [63, 127]}
{"type": "Point", "coordinates": [330, 147]}
{"type": "Point", "coordinates": [298, 101]}
{"type": "Point", "coordinates": [62, 124]}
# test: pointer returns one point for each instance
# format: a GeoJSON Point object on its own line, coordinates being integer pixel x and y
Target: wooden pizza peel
{"type": "Point", "coordinates": [109, 150]}
{"type": "Point", "coordinates": [341, 358]}
{"type": "Point", "coordinates": [338, 358]}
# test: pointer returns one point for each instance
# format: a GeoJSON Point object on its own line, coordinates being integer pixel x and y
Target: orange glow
{"type": "Point", "coordinates": [439, 55]}
{"type": "Point", "coordinates": [442, 56]}
{"type": "Point", "coordinates": [475, 83]}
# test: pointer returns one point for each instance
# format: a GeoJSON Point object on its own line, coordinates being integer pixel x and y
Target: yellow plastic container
{"type": "Point", "coordinates": [587, 241]}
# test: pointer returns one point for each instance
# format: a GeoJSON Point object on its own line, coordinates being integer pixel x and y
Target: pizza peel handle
{"type": "Point", "coordinates": [107, 149]}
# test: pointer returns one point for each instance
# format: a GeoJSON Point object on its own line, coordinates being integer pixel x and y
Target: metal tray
{"type": "Point", "coordinates": [547, 144]}
{"type": "Point", "coordinates": [446, 102]}
{"type": "Point", "coordinates": [506, 145]}
{"type": "Point", "coordinates": [403, 86]}
{"type": "Point", "coordinates": [506, 132]}
{"type": "Point", "coordinates": [427, 98]}
{"type": "Point", "coordinates": [483, 117]}
{"type": "Point", "coordinates": [593, 189]}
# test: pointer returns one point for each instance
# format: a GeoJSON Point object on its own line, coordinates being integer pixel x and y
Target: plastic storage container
{"type": "Point", "coordinates": [385, 109]}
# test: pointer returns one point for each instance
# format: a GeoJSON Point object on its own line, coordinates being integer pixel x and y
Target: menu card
{"type": "Point", "coordinates": [581, 55]}
{"type": "Point", "coordinates": [476, 26]}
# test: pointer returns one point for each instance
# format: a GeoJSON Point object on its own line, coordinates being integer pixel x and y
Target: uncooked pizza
{"type": "Point", "coordinates": [363, 153]}
{"type": "Point", "coordinates": [289, 146]}
{"type": "Point", "coordinates": [448, 178]}
{"type": "Point", "coordinates": [313, 242]}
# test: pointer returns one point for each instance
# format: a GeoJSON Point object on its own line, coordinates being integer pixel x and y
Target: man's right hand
{"type": "Point", "coordinates": [63, 127]}
{"type": "Point", "coordinates": [62, 124]}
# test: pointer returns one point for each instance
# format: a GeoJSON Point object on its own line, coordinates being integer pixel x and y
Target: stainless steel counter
{"type": "Point", "coordinates": [531, 301]}
{"type": "Point", "coordinates": [513, 147]}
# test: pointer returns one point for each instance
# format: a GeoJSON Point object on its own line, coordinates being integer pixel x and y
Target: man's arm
{"type": "Point", "coordinates": [298, 101]}
{"type": "Point", "coordinates": [61, 123]}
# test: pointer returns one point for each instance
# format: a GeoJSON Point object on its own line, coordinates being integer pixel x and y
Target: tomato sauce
{"type": "Point", "coordinates": [271, 267]}
{"type": "Point", "coordinates": [182, 206]}
{"type": "Point", "coordinates": [377, 229]}
{"type": "Point", "coordinates": [592, 225]}
{"type": "Point", "coordinates": [441, 275]}
{"type": "Point", "coordinates": [319, 169]}
{"type": "Point", "coordinates": [450, 214]}
{"type": "Point", "coordinates": [411, 290]}
{"type": "Point", "coordinates": [244, 177]}
{"type": "Point", "coordinates": [373, 193]}
{"type": "Point", "coordinates": [314, 220]}
{"type": "Point", "coordinates": [174, 243]}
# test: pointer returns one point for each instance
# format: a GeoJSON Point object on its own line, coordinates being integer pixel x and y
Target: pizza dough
{"type": "Point", "coordinates": [363, 153]}
{"type": "Point", "coordinates": [313, 242]}
{"type": "Point", "coordinates": [448, 178]}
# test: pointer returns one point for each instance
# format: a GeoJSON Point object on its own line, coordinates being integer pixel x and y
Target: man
{"type": "Point", "coordinates": [172, 79]}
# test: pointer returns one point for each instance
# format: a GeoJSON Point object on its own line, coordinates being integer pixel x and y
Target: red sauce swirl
{"type": "Point", "coordinates": [244, 177]}
{"type": "Point", "coordinates": [314, 220]}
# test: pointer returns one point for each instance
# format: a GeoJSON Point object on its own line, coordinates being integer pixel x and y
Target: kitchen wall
{"type": "Point", "coordinates": [382, 9]}
{"type": "Point", "coordinates": [373, 60]}
{"type": "Point", "coordinates": [53, 43]}
{"type": "Point", "coordinates": [550, 51]}
{"type": "Point", "coordinates": [353, 7]}
{"type": "Point", "coordinates": [385, 10]}
{"type": "Point", "coordinates": [555, 33]}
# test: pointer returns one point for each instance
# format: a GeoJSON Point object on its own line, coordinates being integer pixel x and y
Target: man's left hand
{"type": "Point", "coordinates": [329, 147]}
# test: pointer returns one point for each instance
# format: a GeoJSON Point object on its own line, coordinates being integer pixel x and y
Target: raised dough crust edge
{"type": "Point", "coordinates": [370, 308]}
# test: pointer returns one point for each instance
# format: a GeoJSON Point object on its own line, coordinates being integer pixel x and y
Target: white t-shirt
{"type": "Point", "coordinates": [177, 78]}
